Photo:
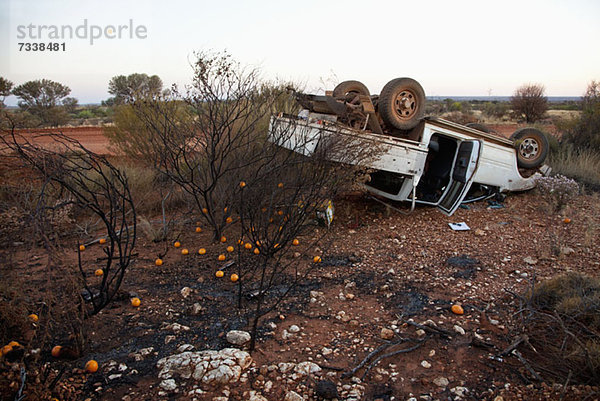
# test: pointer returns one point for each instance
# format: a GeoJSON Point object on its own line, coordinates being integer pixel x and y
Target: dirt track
{"type": "Point", "coordinates": [91, 137]}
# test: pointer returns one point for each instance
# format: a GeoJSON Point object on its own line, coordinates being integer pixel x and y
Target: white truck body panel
{"type": "Point", "coordinates": [492, 162]}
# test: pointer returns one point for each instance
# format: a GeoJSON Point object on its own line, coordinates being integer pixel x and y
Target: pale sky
{"type": "Point", "coordinates": [460, 48]}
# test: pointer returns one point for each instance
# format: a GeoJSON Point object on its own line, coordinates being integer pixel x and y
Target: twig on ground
{"type": "Point", "coordinates": [527, 365]}
{"type": "Point", "coordinates": [389, 354]}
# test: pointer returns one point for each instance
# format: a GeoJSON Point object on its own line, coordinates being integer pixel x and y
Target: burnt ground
{"type": "Point", "coordinates": [382, 270]}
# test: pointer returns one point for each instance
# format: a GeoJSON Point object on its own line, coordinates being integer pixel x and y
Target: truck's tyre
{"type": "Point", "coordinates": [346, 87]}
{"type": "Point", "coordinates": [402, 103]}
{"type": "Point", "coordinates": [532, 147]}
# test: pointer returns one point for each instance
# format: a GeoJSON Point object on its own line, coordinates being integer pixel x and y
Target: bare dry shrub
{"type": "Point", "coordinates": [530, 102]}
{"type": "Point", "coordinates": [561, 317]}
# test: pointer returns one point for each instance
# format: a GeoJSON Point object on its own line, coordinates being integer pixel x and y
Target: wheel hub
{"type": "Point", "coordinates": [529, 148]}
{"type": "Point", "coordinates": [405, 104]}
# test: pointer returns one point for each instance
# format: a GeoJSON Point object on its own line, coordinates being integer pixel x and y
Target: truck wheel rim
{"type": "Point", "coordinates": [405, 104]}
{"type": "Point", "coordinates": [529, 148]}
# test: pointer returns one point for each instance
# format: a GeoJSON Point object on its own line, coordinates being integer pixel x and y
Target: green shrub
{"type": "Point", "coordinates": [584, 132]}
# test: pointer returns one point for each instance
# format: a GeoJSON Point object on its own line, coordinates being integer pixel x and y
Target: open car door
{"type": "Point", "coordinates": [463, 172]}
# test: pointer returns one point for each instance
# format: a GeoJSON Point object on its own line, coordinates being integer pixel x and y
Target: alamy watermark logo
{"type": "Point", "coordinates": [39, 34]}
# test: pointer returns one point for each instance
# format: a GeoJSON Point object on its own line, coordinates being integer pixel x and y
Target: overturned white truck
{"type": "Point", "coordinates": [421, 159]}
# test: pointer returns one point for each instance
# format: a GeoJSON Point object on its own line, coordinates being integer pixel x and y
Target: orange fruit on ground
{"type": "Point", "coordinates": [242, 184]}
{"type": "Point", "coordinates": [280, 185]}
{"type": "Point", "coordinates": [221, 257]}
{"type": "Point", "coordinates": [223, 239]}
{"type": "Point", "coordinates": [280, 212]}
{"type": "Point", "coordinates": [198, 229]}
{"type": "Point", "coordinates": [102, 241]}
{"type": "Point", "coordinates": [135, 302]}
{"type": "Point", "coordinates": [276, 246]}
{"type": "Point", "coordinates": [225, 209]}
{"type": "Point", "coordinates": [14, 344]}
{"type": "Point", "coordinates": [56, 351]}
{"type": "Point", "coordinates": [201, 251]}
{"type": "Point", "coordinates": [295, 242]}
{"type": "Point", "coordinates": [158, 262]}
{"type": "Point", "coordinates": [457, 309]}
{"type": "Point", "coordinates": [256, 251]}
{"type": "Point", "coordinates": [228, 220]}
{"type": "Point", "coordinates": [99, 272]}
{"type": "Point", "coordinates": [91, 366]}
{"type": "Point", "coordinates": [33, 317]}
{"type": "Point", "coordinates": [184, 251]}
{"type": "Point", "coordinates": [177, 244]}
{"type": "Point", "coordinates": [6, 349]}
{"type": "Point", "coordinates": [219, 273]}
{"type": "Point", "coordinates": [234, 277]}
{"type": "Point", "coordinates": [229, 248]}
{"type": "Point", "coordinates": [317, 259]}
{"type": "Point", "coordinates": [567, 220]}
{"type": "Point", "coordinates": [240, 242]}
{"type": "Point", "coordinates": [248, 245]}
{"type": "Point", "coordinates": [82, 247]}
{"type": "Point", "coordinates": [264, 209]}
{"type": "Point", "coordinates": [204, 210]}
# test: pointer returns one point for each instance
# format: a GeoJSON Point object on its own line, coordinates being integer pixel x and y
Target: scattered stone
{"type": "Point", "coordinates": [479, 232]}
{"type": "Point", "coordinates": [286, 367]}
{"type": "Point", "coordinates": [426, 364]}
{"type": "Point", "coordinates": [293, 396]}
{"type": "Point", "coordinates": [459, 391]}
{"type": "Point", "coordinates": [459, 330]}
{"type": "Point", "coordinates": [326, 389]}
{"type": "Point", "coordinates": [529, 260]}
{"type": "Point", "coordinates": [420, 332]}
{"type": "Point", "coordinates": [196, 309]}
{"type": "Point", "coordinates": [257, 397]}
{"type": "Point", "coordinates": [326, 351]}
{"type": "Point", "coordinates": [565, 250]}
{"type": "Point", "coordinates": [169, 338]}
{"type": "Point", "coordinates": [186, 291]}
{"type": "Point", "coordinates": [294, 329]}
{"type": "Point", "coordinates": [441, 382]}
{"type": "Point", "coordinates": [175, 327]}
{"type": "Point", "coordinates": [238, 337]}
{"type": "Point", "coordinates": [307, 368]}
{"type": "Point", "coordinates": [168, 385]}
{"type": "Point", "coordinates": [141, 354]}
{"type": "Point", "coordinates": [219, 367]}
{"type": "Point", "coordinates": [387, 334]}
{"type": "Point", "coordinates": [185, 347]}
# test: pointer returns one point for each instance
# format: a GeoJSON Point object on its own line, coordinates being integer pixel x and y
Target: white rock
{"type": "Point", "coordinates": [530, 260]}
{"type": "Point", "coordinates": [459, 391]}
{"type": "Point", "coordinates": [168, 385]}
{"type": "Point", "coordinates": [459, 330]}
{"type": "Point", "coordinates": [286, 367]}
{"type": "Point", "coordinates": [238, 337]}
{"type": "Point", "coordinates": [307, 368]}
{"type": "Point", "coordinates": [441, 382]}
{"type": "Point", "coordinates": [186, 291]}
{"type": "Point", "coordinates": [185, 347]}
{"type": "Point", "coordinates": [293, 396]}
{"type": "Point", "coordinates": [326, 351]}
{"type": "Point", "coordinates": [257, 397]}
{"type": "Point", "coordinates": [294, 329]}
{"type": "Point", "coordinates": [426, 364]}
